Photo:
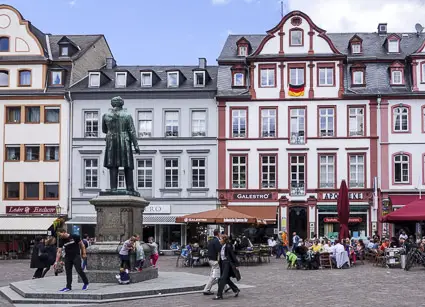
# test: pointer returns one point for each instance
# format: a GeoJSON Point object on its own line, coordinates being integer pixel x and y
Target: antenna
{"type": "Point", "coordinates": [281, 9]}
{"type": "Point", "coordinates": [419, 28]}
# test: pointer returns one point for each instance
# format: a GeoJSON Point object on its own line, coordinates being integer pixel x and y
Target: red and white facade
{"type": "Point", "coordinates": [289, 153]}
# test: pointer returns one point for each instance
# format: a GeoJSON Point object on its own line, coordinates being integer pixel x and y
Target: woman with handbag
{"type": "Point", "coordinates": [229, 266]}
{"type": "Point", "coordinates": [50, 250]}
{"type": "Point", "coordinates": [37, 257]}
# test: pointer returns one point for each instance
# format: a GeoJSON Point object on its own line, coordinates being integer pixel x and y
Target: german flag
{"type": "Point", "coordinates": [296, 90]}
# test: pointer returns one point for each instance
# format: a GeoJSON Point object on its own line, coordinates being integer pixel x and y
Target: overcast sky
{"type": "Point", "coordinates": [143, 32]}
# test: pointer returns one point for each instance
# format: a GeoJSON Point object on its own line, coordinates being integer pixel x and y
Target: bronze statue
{"type": "Point", "coordinates": [120, 138]}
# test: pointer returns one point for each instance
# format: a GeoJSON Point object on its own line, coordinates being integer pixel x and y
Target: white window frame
{"type": "Point", "coordinates": [393, 77]}
{"type": "Point", "coordinates": [404, 165]}
{"type": "Point", "coordinates": [328, 81]}
{"type": "Point", "coordinates": [242, 50]}
{"type": "Point", "coordinates": [398, 115]}
{"type": "Point", "coordinates": [146, 73]}
{"type": "Point", "coordinates": [92, 120]}
{"type": "Point", "coordinates": [54, 73]}
{"type": "Point", "coordinates": [327, 171]}
{"type": "Point", "coordinates": [235, 83]}
{"type": "Point", "coordinates": [169, 74]}
{"type": "Point", "coordinates": [269, 77]}
{"type": "Point", "coordinates": [120, 74]}
{"type": "Point", "coordinates": [196, 124]}
{"type": "Point", "coordinates": [241, 169]}
{"type": "Point", "coordinates": [357, 72]}
{"type": "Point", "coordinates": [171, 124]}
{"type": "Point", "coordinates": [91, 76]}
{"type": "Point", "coordinates": [393, 45]}
{"type": "Point", "coordinates": [237, 116]}
{"type": "Point", "coordinates": [66, 49]}
{"type": "Point", "coordinates": [297, 75]}
{"type": "Point", "coordinates": [271, 169]}
{"type": "Point", "coordinates": [196, 172]}
{"type": "Point", "coordinates": [328, 114]}
{"type": "Point", "coordinates": [298, 182]}
{"type": "Point", "coordinates": [92, 175]}
{"type": "Point", "coordinates": [146, 133]}
{"type": "Point", "coordinates": [356, 120]}
{"type": "Point", "coordinates": [297, 126]}
{"type": "Point", "coordinates": [195, 79]}
{"type": "Point", "coordinates": [121, 179]}
{"type": "Point", "coordinates": [174, 170]}
{"type": "Point", "coordinates": [356, 48]}
{"type": "Point", "coordinates": [292, 38]}
{"type": "Point", "coordinates": [142, 173]}
{"type": "Point", "coordinates": [266, 122]}
{"type": "Point", "coordinates": [357, 178]}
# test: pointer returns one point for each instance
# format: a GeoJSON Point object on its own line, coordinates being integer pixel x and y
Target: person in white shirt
{"type": "Point", "coordinates": [403, 235]}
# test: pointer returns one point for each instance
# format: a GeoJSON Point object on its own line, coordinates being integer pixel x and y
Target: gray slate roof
{"type": "Point", "coordinates": [161, 71]}
{"type": "Point", "coordinates": [84, 42]}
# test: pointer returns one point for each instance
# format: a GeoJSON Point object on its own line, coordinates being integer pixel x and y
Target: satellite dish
{"type": "Point", "coordinates": [419, 28]}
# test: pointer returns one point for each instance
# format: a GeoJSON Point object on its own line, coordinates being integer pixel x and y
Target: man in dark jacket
{"type": "Point", "coordinates": [214, 248]}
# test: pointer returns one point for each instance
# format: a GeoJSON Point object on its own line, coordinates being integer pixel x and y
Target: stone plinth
{"type": "Point", "coordinates": [119, 216]}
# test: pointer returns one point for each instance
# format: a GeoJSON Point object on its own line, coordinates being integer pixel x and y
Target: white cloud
{"type": "Point", "coordinates": [362, 15]}
{"type": "Point", "coordinates": [72, 3]}
{"type": "Point", "coordinates": [219, 2]}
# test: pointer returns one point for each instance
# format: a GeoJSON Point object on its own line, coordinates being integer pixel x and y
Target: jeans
{"type": "Point", "coordinates": [76, 262]}
{"type": "Point", "coordinates": [84, 265]}
{"type": "Point", "coordinates": [214, 275]}
{"type": "Point", "coordinates": [280, 251]}
{"type": "Point", "coordinates": [225, 279]}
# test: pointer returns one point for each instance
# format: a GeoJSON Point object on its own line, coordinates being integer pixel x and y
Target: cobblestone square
{"type": "Point", "coordinates": [273, 284]}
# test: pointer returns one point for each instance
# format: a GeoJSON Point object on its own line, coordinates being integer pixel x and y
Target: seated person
{"type": "Point", "coordinates": [385, 245]}
{"type": "Point", "coordinates": [394, 243]}
{"type": "Point", "coordinates": [317, 247]}
{"type": "Point", "coordinates": [327, 247]}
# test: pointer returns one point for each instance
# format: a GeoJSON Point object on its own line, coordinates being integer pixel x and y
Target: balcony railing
{"type": "Point", "coordinates": [297, 138]}
{"type": "Point", "coordinates": [268, 134]}
{"type": "Point", "coordinates": [198, 133]}
{"type": "Point", "coordinates": [297, 189]}
{"type": "Point", "coordinates": [171, 133]}
{"type": "Point", "coordinates": [91, 134]}
{"type": "Point", "coordinates": [329, 133]}
{"type": "Point", "coordinates": [356, 133]}
{"type": "Point", "coordinates": [145, 134]}
{"type": "Point", "coordinates": [327, 185]}
{"type": "Point", "coordinates": [268, 185]}
{"type": "Point", "coordinates": [356, 184]}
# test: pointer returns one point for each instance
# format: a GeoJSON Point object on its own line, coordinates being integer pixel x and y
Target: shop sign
{"type": "Point", "coordinates": [253, 196]}
{"type": "Point", "coordinates": [235, 220]}
{"type": "Point", "coordinates": [195, 220]}
{"type": "Point", "coordinates": [336, 220]}
{"type": "Point", "coordinates": [158, 209]}
{"type": "Point", "coordinates": [351, 196]}
{"type": "Point", "coordinates": [30, 209]}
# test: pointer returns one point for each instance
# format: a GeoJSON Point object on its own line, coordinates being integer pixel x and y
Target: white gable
{"type": "Point", "coordinates": [21, 39]}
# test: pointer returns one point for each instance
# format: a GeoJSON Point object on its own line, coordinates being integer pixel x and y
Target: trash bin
{"type": "Point", "coordinates": [403, 261]}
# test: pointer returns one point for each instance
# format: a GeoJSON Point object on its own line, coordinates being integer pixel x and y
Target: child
{"type": "Point", "coordinates": [123, 277]}
{"type": "Point", "coordinates": [154, 251]}
{"type": "Point", "coordinates": [140, 256]}
{"type": "Point", "coordinates": [291, 258]}
{"type": "Point", "coordinates": [125, 249]}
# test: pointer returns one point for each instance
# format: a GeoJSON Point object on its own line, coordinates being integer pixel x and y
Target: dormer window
{"type": "Point", "coordinates": [393, 46]}
{"type": "Point", "coordinates": [4, 44]}
{"type": "Point", "coordinates": [296, 37]}
{"type": "Point", "coordinates": [120, 79]}
{"type": "Point", "coordinates": [242, 50]}
{"type": "Point", "coordinates": [56, 78]}
{"type": "Point", "coordinates": [397, 73]}
{"type": "Point", "coordinates": [238, 79]}
{"type": "Point", "coordinates": [146, 79]}
{"type": "Point", "coordinates": [94, 79]}
{"type": "Point", "coordinates": [199, 78]}
{"type": "Point", "coordinates": [64, 51]}
{"type": "Point", "coordinates": [173, 79]}
{"type": "Point", "coordinates": [356, 48]}
{"type": "Point", "coordinates": [358, 75]}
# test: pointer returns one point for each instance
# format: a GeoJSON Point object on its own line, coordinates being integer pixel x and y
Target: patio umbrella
{"type": "Point", "coordinates": [219, 216]}
{"type": "Point", "coordinates": [343, 205]}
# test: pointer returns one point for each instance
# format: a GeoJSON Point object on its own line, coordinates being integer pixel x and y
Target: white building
{"type": "Point", "coordinates": [174, 111]}
{"type": "Point", "coordinates": [35, 71]}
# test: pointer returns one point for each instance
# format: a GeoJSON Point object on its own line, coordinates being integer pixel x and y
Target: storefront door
{"type": "Point", "coordinates": [298, 221]}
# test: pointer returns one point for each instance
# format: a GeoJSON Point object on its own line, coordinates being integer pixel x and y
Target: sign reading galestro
{"type": "Point", "coordinates": [253, 196]}
{"type": "Point", "coordinates": [30, 209]}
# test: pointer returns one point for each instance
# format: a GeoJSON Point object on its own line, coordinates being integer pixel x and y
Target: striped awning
{"type": "Point", "coordinates": [25, 225]}
{"type": "Point", "coordinates": [83, 220]}
{"type": "Point", "coordinates": [152, 219]}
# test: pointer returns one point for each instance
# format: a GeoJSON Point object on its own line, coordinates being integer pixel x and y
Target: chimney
{"type": "Point", "coordinates": [110, 63]}
{"type": "Point", "coordinates": [382, 29]}
{"type": "Point", "coordinates": [202, 63]}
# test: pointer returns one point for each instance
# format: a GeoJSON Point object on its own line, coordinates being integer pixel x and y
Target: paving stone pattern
{"type": "Point", "coordinates": [363, 285]}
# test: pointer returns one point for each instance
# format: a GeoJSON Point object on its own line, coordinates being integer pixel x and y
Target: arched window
{"type": "Point", "coordinates": [25, 78]}
{"type": "Point", "coordinates": [4, 44]}
{"type": "Point", "coordinates": [401, 168]}
{"type": "Point", "coordinates": [401, 119]}
{"type": "Point", "coordinates": [4, 78]}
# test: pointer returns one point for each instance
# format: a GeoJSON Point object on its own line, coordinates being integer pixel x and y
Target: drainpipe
{"type": "Point", "coordinates": [70, 136]}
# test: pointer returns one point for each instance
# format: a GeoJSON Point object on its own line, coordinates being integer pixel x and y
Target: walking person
{"type": "Point", "coordinates": [279, 246]}
{"type": "Point", "coordinates": [229, 266]}
{"type": "Point", "coordinates": [295, 240]}
{"type": "Point", "coordinates": [214, 248]}
{"type": "Point", "coordinates": [86, 245]}
{"type": "Point", "coordinates": [50, 250]}
{"type": "Point", "coordinates": [37, 258]}
{"type": "Point", "coordinates": [154, 251]}
{"type": "Point", "coordinates": [74, 251]}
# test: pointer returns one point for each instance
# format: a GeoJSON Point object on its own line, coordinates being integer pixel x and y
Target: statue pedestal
{"type": "Point", "coordinates": [119, 216]}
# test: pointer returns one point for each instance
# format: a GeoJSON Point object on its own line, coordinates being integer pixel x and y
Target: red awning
{"type": "Point", "coordinates": [219, 216]}
{"type": "Point", "coordinates": [414, 211]}
{"type": "Point", "coordinates": [402, 200]}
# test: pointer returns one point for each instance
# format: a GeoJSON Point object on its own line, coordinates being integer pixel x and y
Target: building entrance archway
{"type": "Point", "coordinates": [298, 222]}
